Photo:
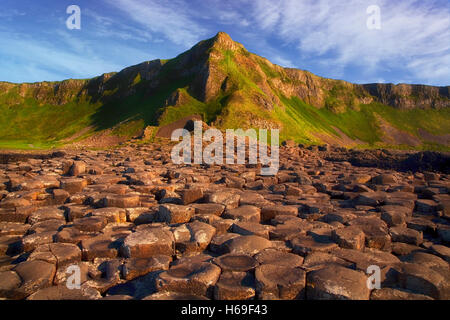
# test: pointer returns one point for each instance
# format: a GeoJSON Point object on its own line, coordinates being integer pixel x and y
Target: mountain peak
{"type": "Point", "coordinates": [223, 40]}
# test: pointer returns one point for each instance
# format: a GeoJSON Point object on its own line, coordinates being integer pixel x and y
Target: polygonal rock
{"type": "Point", "coordinates": [392, 216]}
{"type": "Point", "coordinates": [32, 241]}
{"type": "Point", "coordinates": [235, 286]}
{"type": "Point", "coordinates": [13, 228]}
{"type": "Point", "coordinates": [208, 208]}
{"type": "Point", "coordinates": [172, 213]}
{"type": "Point", "coordinates": [190, 195]}
{"type": "Point", "coordinates": [229, 199]}
{"type": "Point", "coordinates": [77, 168]}
{"type": "Point", "coordinates": [270, 212]}
{"type": "Point", "coordinates": [243, 213]}
{"type": "Point", "coordinates": [236, 262]}
{"type": "Point", "coordinates": [218, 242]}
{"type": "Point", "coordinates": [189, 278]}
{"type": "Point", "coordinates": [372, 199]}
{"type": "Point", "coordinates": [122, 201]}
{"type": "Point", "coordinates": [280, 282]}
{"type": "Point", "coordinates": [90, 224]}
{"type": "Point", "coordinates": [441, 251]}
{"type": "Point", "coordinates": [336, 283]}
{"type": "Point", "coordinates": [304, 244]}
{"type": "Point", "coordinates": [279, 258]}
{"type": "Point", "coordinates": [61, 292]}
{"type": "Point", "coordinates": [136, 267]}
{"type": "Point", "coordinates": [102, 246]}
{"type": "Point", "coordinates": [406, 235]}
{"type": "Point", "coordinates": [112, 215]}
{"type": "Point", "coordinates": [73, 185]}
{"type": "Point", "coordinates": [148, 242]}
{"type": "Point", "coordinates": [167, 295]}
{"type": "Point", "coordinates": [427, 207]}
{"type": "Point", "coordinates": [35, 275]}
{"type": "Point", "coordinates": [250, 228]}
{"type": "Point", "coordinates": [422, 280]}
{"type": "Point", "coordinates": [9, 284]}
{"type": "Point", "coordinates": [349, 238]}
{"type": "Point", "coordinates": [193, 237]}
{"type": "Point", "coordinates": [396, 294]}
{"type": "Point", "coordinates": [247, 245]}
{"type": "Point", "coordinates": [49, 213]}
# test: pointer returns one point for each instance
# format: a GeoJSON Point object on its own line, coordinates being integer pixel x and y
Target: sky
{"type": "Point", "coordinates": [361, 41]}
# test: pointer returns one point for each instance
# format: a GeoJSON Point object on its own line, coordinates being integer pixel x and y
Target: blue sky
{"type": "Point", "coordinates": [327, 37]}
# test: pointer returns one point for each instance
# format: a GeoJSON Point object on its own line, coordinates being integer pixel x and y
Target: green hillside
{"type": "Point", "coordinates": [229, 87]}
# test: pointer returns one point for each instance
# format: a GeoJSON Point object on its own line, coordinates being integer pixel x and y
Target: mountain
{"type": "Point", "coordinates": [229, 87]}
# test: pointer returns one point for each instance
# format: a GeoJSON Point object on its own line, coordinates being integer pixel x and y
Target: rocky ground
{"type": "Point", "coordinates": [140, 227]}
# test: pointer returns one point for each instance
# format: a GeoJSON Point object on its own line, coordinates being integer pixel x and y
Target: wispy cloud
{"type": "Point", "coordinates": [108, 27]}
{"type": "Point", "coordinates": [44, 58]}
{"type": "Point", "coordinates": [413, 34]}
{"type": "Point", "coordinates": [172, 19]}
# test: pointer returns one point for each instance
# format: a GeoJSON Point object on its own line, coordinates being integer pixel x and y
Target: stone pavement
{"type": "Point", "coordinates": [139, 227]}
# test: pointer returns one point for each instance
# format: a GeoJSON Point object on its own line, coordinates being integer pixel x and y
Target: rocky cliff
{"type": "Point", "coordinates": [227, 86]}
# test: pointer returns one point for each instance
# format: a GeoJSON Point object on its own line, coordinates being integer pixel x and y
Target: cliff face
{"type": "Point", "coordinates": [406, 96]}
{"type": "Point", "coordinates": [228, 86]}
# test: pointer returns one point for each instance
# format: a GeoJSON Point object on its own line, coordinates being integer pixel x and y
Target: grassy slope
{"type": "Point", "coordinates": [27, 124]}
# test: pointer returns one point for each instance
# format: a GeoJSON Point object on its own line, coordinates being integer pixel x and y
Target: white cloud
{"type": "Point", "coordinates": [172, 19]}
{"type": "Point", "coordinates": [108, 27]}
{"type": "Point", "coordinates": [413, 34]}
{"type": "Point", "coordinates": [66, 57]}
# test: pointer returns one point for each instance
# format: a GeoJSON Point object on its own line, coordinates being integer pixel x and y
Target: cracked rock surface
{"type": "Point", "coordinates": [137, 226]}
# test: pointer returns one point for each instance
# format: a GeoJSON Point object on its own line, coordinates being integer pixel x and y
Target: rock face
{"type": "Point", "coordinates": [144, 228]}
{"type": "Point", "coordinates": [204, 74]}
